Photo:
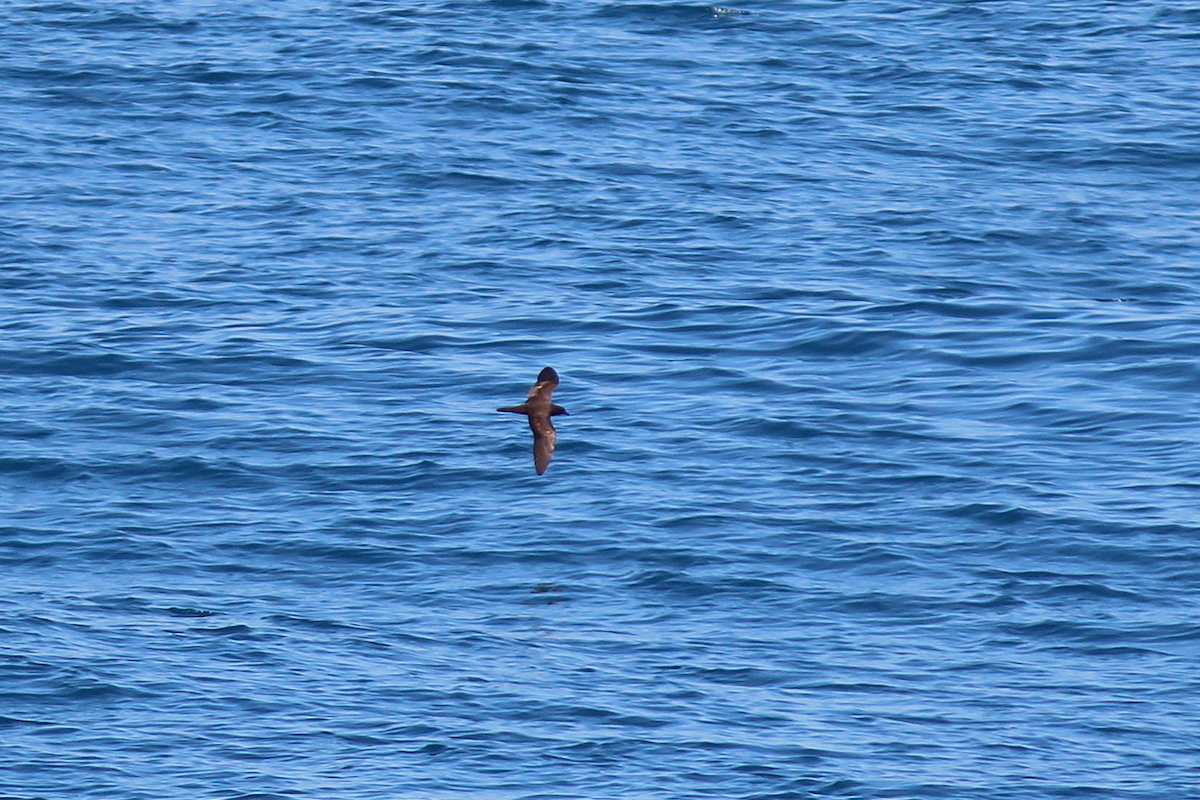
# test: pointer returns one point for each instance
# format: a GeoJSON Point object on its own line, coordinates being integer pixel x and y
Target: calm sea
{"type": "Point", "coordinates": [879, 328]}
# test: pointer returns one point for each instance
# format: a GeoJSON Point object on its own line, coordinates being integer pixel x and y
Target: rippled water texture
{"type": "Point", "coordinates": [877, 325]}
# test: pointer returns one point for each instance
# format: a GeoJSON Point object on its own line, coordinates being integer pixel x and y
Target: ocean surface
{"type": "Point", "coordinates": [879, 328]}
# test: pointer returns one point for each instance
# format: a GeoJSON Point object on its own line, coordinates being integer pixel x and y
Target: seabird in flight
{"type": "Point", "coordinates": [539, 409]}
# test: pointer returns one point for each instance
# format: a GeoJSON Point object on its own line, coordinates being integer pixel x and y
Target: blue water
{"type": "Point", "coordinates": [878, 323]}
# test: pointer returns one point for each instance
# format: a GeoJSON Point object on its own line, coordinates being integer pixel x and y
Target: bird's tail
{"type": "Point", "coordinates": [521, 409]}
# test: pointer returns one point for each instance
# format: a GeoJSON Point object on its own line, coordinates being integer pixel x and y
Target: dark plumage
{"type": "Point", "coordinates": [539, 409]}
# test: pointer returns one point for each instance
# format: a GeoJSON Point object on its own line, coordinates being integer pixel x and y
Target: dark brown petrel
{"type": "Point", "coordinates": [539, 409]}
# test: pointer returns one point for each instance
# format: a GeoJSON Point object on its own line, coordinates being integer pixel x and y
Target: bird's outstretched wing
{"type": "Point", "coordinates": [546, 381]}
{"type": "Point", "coordinates": [544, 438]}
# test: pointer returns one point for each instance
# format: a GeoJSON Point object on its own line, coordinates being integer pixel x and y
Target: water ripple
{"type": "Point", "coordinates": [875, 324]}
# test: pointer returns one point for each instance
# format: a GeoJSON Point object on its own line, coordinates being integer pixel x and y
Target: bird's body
{"type": "Point", "coordinates": [539, 409]}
